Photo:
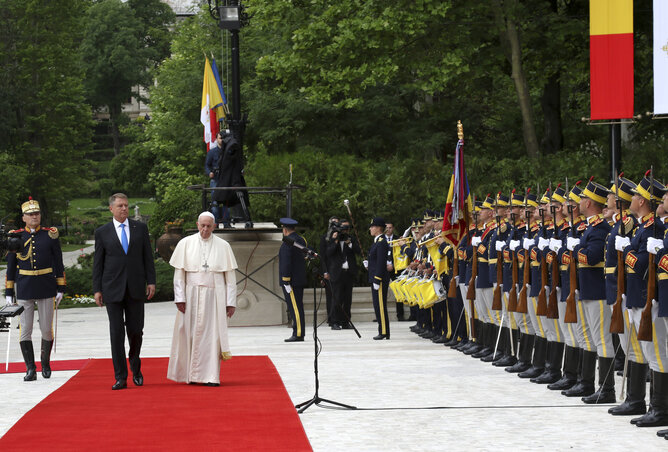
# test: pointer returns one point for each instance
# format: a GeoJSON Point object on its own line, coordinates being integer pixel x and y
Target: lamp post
{"type": "Point", "coordinates": [231, 17]}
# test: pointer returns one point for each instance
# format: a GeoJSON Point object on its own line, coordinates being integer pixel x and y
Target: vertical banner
{"type": "Point", "coordinates": [611, 58]}
{"type": "Point", "coordinates": [458, 204]}
{"type": "Point", "coordinates": [660, 57]}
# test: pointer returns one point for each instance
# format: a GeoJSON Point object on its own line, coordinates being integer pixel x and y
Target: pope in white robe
{"type": "Point", "coordinates": [205, 291]}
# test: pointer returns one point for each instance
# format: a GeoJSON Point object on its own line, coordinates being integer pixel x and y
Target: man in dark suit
{"type": "Point", "coordinates": [292, 274]}
{"type": "Point", "coordinates": [378, 277]}
{"type": "Point", "coordinates": [324, 241]}
{"type": "Point", "coordinates": [342, 265]}
{"type": "Point", "coordinates": [123, 277]}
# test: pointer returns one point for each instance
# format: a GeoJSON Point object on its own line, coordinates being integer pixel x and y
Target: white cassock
{"type": "Point", "coordinates": [205, 280]}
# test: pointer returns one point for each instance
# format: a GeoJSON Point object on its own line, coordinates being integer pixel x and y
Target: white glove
{"type": "Point", "coordinates": [514, 244]}
{"type": "Point", "coordinates": [572, 242]}
{"type": "Point", "coordinates": [499, 245]}
{"type": "Point", "coordinates": [376, 286]}
{"type": "Point", "coordinates": [543, 243]}
{"type": "Point", "coordinates": [59, 298]}
{"type": "Point", "coordinates": [654, 245]}
{"type": "Point", "coordinates": [475, 241]}
{"type": "Point", "coordinates": [528, 243]}
{"type": "Point", "coordinates": [366, 264]}
{"type": "Point", "coordinates": [9, 299]}
{"type": "Point", "coordinates": [621, 242]}
{"type": "Point", "coordinates": [555, 244]}
{"type": "Point", "coordinates": [288, 288]}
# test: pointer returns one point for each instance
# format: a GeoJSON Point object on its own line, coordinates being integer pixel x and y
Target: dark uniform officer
{"type": "Point", "coordinates": [35, 274]}
{"type": "Point", "coordinates": [378, 276]}
{"type": "Point", "coordinates": [292, 269]}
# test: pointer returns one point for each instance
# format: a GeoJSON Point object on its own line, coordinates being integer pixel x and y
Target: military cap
{"type": "Point", "coordinates": [576, 192]}
{"type": "Point", "coordinates": [502, 200]}
{"type": "Point", "coordinates": [30, 206]}
{"type": "Point", "coordinates": [488, 202]}
{"type": "Point", "coordinates": [428, 215]}
{"type": "Point", "coordinates": [595, 192]}
{"type": "Point", "coordinates": [288, 222]}
{"type": "Point", "coordinates": [477, 206]}
{"type": "Point", "coordinates": [647, 190]}
{"type": "Point", "coordinates": [378, 221]}
{"type": "Point", "coordinates": [546, 197]}
{"type": "Point", "coordinates": [532, 199]}
{"type": "Point", "coordinates": [559, 194]}
{"type": "Point", "coordinates": [438, 215]}
{"type": "Point", "coordinates": [516, 199]}
{"type": "Point", "coordinates": [626, 189]}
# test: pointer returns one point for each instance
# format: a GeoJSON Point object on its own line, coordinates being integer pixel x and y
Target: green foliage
{"type": "Point", "coordinates": [173, 200]}
{"type": "Point", "coordinates": [44, 120]}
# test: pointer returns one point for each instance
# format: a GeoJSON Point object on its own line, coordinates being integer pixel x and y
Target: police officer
{"type": "Point", "coordinates": [378, 276]}
{"type": "Point", "coordinates": [36, 275]}
{"type": "Point", "coordinates": [292, 269]}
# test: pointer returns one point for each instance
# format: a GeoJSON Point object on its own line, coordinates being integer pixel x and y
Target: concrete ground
{"type": "Point", "coordinates": [412, 395]}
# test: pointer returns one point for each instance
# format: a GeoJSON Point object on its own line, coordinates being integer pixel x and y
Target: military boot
{"type": "Point", "coordinates": [636, 389]}
{"type": "Point", "coordinates": [606, 382]}
{"type": "Point", "coordinates": [585, 385]}
{"type": "Point", "coordinates": [29, 358]}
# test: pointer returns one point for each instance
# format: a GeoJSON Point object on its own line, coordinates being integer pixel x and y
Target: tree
{"type": "Point", "coordinates": [44, 120]}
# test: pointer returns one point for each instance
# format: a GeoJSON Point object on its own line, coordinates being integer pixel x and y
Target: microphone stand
{"type": "Point", "coordinates": [316, 399]}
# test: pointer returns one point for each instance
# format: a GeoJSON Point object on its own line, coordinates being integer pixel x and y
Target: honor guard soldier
{"type": "Point", "coordinates": [647, 195]}
{"type": "Point", "coordinates": [624, 224]}
{"type": "Point", "coordinates": [593, 310]}
{"type": "Point", "coordinates": [36, 276]}
{"type": "Point", "coordinates": [378, 276]}
{"type": "Point", "coordinates": [292, 269]}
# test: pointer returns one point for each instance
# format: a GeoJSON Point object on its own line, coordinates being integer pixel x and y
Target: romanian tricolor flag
{"type": "Point", "coordinates": [611, 58]}
{"type": "Point", "coordinates": [458, 205]}
{"type": "Point", "coordinates": [212, 106]}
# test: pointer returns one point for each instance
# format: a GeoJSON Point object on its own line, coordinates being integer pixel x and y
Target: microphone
{"type": "Point", "coordinates": [308, 251]}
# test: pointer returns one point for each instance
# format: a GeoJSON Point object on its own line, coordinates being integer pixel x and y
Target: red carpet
{"type": "Point", "coordinates": [69, 364]}
{"type": "Point", "coordinates": [251, 410]}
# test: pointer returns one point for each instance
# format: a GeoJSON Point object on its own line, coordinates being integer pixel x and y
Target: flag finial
{"type": "Point", "coordinates": [460, 130]}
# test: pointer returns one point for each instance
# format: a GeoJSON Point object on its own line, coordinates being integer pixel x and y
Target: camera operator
{"type": "Point", "coordinates": [38, 273]}
{"type": "Point", "coordinates": [324, 241]}
{"type": "Point", "coordinates": [342, 265]}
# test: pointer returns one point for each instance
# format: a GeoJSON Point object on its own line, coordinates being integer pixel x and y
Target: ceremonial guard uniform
{"type": "Point", "coordinates": [378, 278]}
{"type": "Point", "coordinates": [636, 260]}
{"type": "Point", "coordinates": [594, 314]}
{"type": "Point", "coordinates": [36, 275]}
{"type": "Point", "coordinates": [292, 269]}
{"type": "Point", "coordinates": [624, 226]}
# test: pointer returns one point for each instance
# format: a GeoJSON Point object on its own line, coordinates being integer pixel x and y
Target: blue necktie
{"type": "Point", "coordinates": [124, 239]}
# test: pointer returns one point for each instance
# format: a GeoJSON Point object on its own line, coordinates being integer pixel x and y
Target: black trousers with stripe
{"type": "Point", "coordinates": [295, 301]}
{"type": "Point", "coordinates": [380, 307]}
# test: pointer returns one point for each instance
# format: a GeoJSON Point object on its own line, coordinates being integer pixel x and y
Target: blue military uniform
{"type": "Point", "coordinates": [35, 274]}
{"type": "Point", "coordinates": [292, 277]}
{"type": "Point", "coordinates": [378, 275]}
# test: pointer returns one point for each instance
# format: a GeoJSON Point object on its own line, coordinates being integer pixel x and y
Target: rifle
{"type": "Point", "coordinates": [470, 293]}
{"type": "Point", "coordinates": [645, 327]}
{"type": "Point", "coordinates": [617, 319]}
{"type": "Point", "coordinates": [452, 288]}
{"type": "Point", "coordinates": [512, 294]}
{"type": "Point", "coordinates": [497, 305]}
{"type": "Point", "coordinates": [553, 304]}
{"type": "Point", "coordinates": [541, 307]}
{"type": "Point", "coordinates": [571, 315]}
{"type": "Point", "coordinates": [522, 306]}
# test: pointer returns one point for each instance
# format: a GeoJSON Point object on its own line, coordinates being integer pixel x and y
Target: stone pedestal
{"type": "Point", "coordinates": [256, 252]}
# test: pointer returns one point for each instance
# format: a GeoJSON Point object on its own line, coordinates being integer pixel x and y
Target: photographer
{"type": "Point", "coordinates": [324, 241]}
{"type": "Point", "coordinates": [342, 266]}
{"type": "Point", "coordinates": [36, 274]}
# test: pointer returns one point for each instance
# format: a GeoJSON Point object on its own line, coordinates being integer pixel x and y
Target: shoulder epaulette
{"type": "Point", "coordinates": [596, 222]}
{"type": "Point", "coordinates": [14, 231]}
{"type": "Point", "coordinates": [582, 226]}
{"type": "Point", "coordinates": [649, 222]}
{"type": "Point", "coordinates": [53, 232]}
{"type": "Point", "coordinates": [503, 227]}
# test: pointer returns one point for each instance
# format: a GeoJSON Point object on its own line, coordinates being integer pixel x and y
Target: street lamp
{"type": "Point", "coordinates": [230, 17]}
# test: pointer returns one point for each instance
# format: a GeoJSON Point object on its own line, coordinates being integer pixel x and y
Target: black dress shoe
{"type": "Point", "coordinates": [138, 379]}
{"type": "Point", "coordinates": [336, 326]}
{"type": "Point", "coordinates": [581, 389]}
{"type": "Point", "coordinates": [381, 337]}
{"type": "Point", "coordinates": [346, 326]}
{"type": "Point", "coordinates": [662, 433]}
{"type": "Point", "coordinates": [629, 407]}
{"type": "Point", "coordinates": [212, 384]}
{"type": "Point", "coordinates": [120, 384]}
{"type": "Point", "coordinates": [519, 366]}
{"type": "Point", "coordinates": [564, 383]}
{"type": "Point", "coordinates": [531, 372]}
{"type": "Point", "coordinates": [547, 377]}
{"type": "Point", "coordinates": [505, 361]}
{"type": "Point", "coordinates": [439, 340]}
{"type": "Point", "coordinates": [295, 339]}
